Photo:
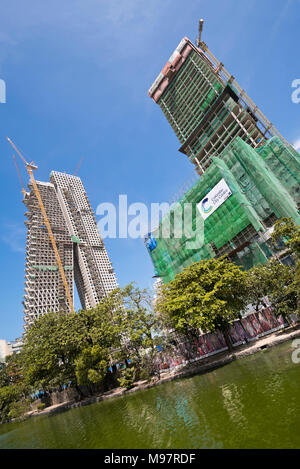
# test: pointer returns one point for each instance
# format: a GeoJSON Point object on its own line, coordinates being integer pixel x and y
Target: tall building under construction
{"type": "Point", "coordinates": [249, 174]}
{"type": "Point", "coordinates": [205, 106]}
{"type": "Point", "coordinates": [44, 290]}
{"type": "Point", "coordinates": [93, 273]}
{"type": "Point", "coordinates": [81, 249]}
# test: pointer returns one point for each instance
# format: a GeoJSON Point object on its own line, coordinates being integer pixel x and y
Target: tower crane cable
{"type": "Point", "coordinates": [78, 166]}
{"type": "Point", "coordinates": [19, 174]}
{"type": "Point", "coordinates": [30, 167]}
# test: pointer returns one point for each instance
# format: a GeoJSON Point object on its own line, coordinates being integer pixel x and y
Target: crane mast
{"type": "Point", "coordinates": [30, 167]}
{"type": "Point", "coordinates": [19, 174]}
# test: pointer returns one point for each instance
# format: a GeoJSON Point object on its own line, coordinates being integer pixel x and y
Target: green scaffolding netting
{"type": "Point", "coordinates": [52, 268]}
{"type": "Point", "coordinates": [178, 102]}
{"type": "Point", "coordinates": [263, 182]}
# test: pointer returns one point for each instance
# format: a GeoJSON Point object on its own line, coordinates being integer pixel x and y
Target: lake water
{"type": "Point", "coordinates": [250, 403]}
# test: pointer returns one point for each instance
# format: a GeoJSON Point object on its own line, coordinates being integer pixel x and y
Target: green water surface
{"type": "Point", "coordinates": [250, 403]}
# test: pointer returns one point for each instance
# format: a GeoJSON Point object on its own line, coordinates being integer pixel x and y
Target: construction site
{"type": "Point", "coordinates": [249, 175]}
{"type": "Point", "coordinates": [63, 246]}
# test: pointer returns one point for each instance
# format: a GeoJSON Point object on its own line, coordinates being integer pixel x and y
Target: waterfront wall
{"type": "Point", "coordinates": [242, 331]}
{"type": "Point", "coordinates": [246, 330]}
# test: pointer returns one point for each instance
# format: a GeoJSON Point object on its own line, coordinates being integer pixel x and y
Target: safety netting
{"type": "Point", "coordinates": [263, 185]}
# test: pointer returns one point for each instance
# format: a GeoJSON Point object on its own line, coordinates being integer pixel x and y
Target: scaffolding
{"type": "Point", "coordinates": [81, 250]}
{"type": "Point", "coordinates": [44, 288]}
{"type": "Point", "coordinates": [205, 106]}
{"type": "Point", "coordinates": [93, 272]}
{"type": "Point", "coordinates": [269, 128]}
{"type": "Point", "coordinates": [264, 185]}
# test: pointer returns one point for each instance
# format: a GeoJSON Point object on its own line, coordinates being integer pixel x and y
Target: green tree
{"type": "Point", "coordinates": [259, 280]}
{"type": "Point", "coordinates": [9, 395]}
{"type": "Point", "coordinates": [61, 347]}
{"type": "Point", "coordinates": [18, 408]}
{"type": "Point", "coordinates": [286, 229]}
{"type": "Point", "coordinates": [127, 378]}
{"type": "Point", "coordinates": [11, 370]}
{"type": "Point", "coordinates": [12, 388]}
{"type": "Point", "coordinates": [141, 327]}
{"type": "Point", "coordinates": [207, 295]}
{"type": "Point", "coordinates": [3, 376]}
{"type": "Point", "coordinates": [51, 346]}
{"type": "Point", "coordinates": [130, 325]}
{"type": "Point", "coordinates": [91, 365]}
{"type": "Point", "coordinates": [273, 280]}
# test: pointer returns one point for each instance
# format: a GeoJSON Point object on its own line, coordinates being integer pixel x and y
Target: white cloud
{"type": "Point", "coordinates": [280, 18]}
{"type": "Point", "coordinates": [14, 236]}
{"type": "Point", "coordinates": [296, 144]}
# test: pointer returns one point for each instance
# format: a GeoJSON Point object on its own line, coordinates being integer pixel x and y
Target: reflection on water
{"type": "Point", "coordinates": [250, 403]}
{"type": "Point", "coordinates": [232, 401]}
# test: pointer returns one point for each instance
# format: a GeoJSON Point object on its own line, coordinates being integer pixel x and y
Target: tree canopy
{"type": "Point", "coordinates": [206, 295]}
{"type": "Point", "coordinates": [274, 281]}
{"type": "Point", "coordinates": [286, 229]}
{"type": "Point", "coordinates": [79, 349]}
{"type": "Point", "coordinates": [61, 348]}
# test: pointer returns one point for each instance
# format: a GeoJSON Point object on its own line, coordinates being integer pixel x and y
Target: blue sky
{"type": "Point", "coordinates": [77, 74]}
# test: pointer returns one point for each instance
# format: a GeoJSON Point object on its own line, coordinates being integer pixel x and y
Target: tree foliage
{"type": "Point", "coordinates": [78, 349]}
{"type": "Point", "coordinates": [50, 348]}
{"type": "Point", "coordinates": [12, 388]}
{"type": "Point", "coordinates": [272, 280]}
{"type": "Point", "coordinates": [286, 229]}
{"type": "Point", "coordinates": [127, 378]}
{"type": "Point", "coordinates": [60, 348]}
{"type": "Point", "coordinates": [91, 365]}
{"type": "Point", "coordinates": [206, 295]}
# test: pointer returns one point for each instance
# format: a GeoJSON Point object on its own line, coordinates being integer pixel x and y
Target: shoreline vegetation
{"type": "Point", "coordinates": [196, 368]}
{"type": "Point", "coordinates": [122, 342]}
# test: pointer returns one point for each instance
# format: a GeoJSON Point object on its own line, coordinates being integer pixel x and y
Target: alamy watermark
{"type": "Point", "coordinates": [182, 220]}
{"type": "Point", "coordinates": [2, 92]}
{"type": "Point", "coordinates": [296, 352]}
{"type": "Point", "coordinates": [296, 93]}
{"type": "Point", "coordinates": [137, 220]}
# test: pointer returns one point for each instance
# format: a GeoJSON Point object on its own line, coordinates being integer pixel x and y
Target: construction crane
{"type": "Point", "coordinates": [19, 174]}
{"type": "Point", "coordinates": [30, 168]}
{"type": "Point", "coordinates": [78, 166]}
{"type": "Point", "coordinates": [198, 40]}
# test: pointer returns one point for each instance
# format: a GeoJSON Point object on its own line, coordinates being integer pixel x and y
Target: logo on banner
{"type": "Point", "coordinates": [214, 199]}
{"type": "Point", "coordinates": [206, 207]}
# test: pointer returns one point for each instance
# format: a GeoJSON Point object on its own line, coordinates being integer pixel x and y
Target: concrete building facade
{"type": "Point", "coordinates": [232, 209]}
{"type": "Point", "coordinates": [205, 106]}
{"type": "Point", "coordinates": [249, 173]}
{"type": "Point", "coordinates": [9, 348]}
{"type": "Point", "coordinates": [82, 251]}
{"type": "Point", "coordinates": [44, 290]}
{"type": "Point", "coordinates": [5, 350]}
{"type": "Point", "coordinates": [93, 272]}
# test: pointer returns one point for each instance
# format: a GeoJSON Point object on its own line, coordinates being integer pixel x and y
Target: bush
{"type": "Point", "coordinates": [40, 406]}
{"type": "Point", "coordinates": [145, 374]}
{"type": "Point", "coordinates": [10, 399]}
{"type": "Point", "coordinates": [18, 409]}
{"type": "Point", "coordinates": [127, 378]}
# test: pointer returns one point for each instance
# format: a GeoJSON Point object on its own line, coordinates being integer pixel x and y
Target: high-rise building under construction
{"type": "Point", "coordinates": [44, 290]}
{"type": "Point", "coordinates": [205, 106]}
{"type": "Point", "coordinates": [81, 249]}
{"type": "Point", "coordinates": [93, 273]}
{"type": "Point", "coordinates": [249, 174]}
